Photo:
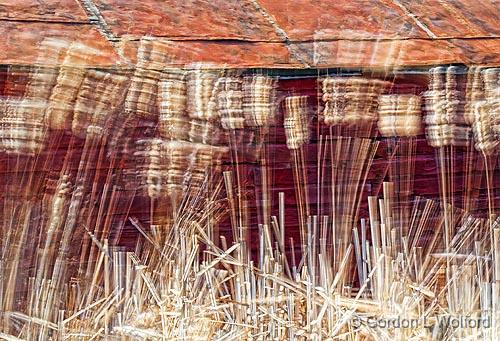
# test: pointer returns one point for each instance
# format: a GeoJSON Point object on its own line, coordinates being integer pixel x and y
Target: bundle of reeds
{"type": "Point", "coordinates": [168, 289]}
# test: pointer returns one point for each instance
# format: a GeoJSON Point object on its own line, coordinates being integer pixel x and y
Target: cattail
{"type": "Point", "coordinates": [259, 100]}
{"type": "Point", "coordinates": [204, 160]}
{"type": "Point", "coordinates": [202, 105]}
{"type": "Point", "coordinates": [202, 131]}
{"type": "Point", "coordinates": [63, 96]}
{"type": "Point", "coordinates": [399, 115]}
{"type": "Point", "coordinates": [492, 95]}
{"type": "Point", "coordinates": [200, 162]}
{"type": "Point", "coordinates": [435, 98]}
{"type": "Point", "coordinates": [99, 97]}
{"type": "Point", "coordinates": [351, 101]}
{"type": "Point", "coordinates": [491, 78]}
{"type": "Point", "coordinates": [22, 129]}
{"type": "Point", "coordinates": [141, 98]}
{"type": "Point", "coordinates": [174, 121]}
{"type": "Point", "coordinates": [474, 92]}
{"type": "Point", "coordinates": [445, 110]}
{"type": "Point", "coordinates": [42, 81]}
{"type": "Point", "coordinates": [23, 121]}
{"type": "Point", "coordinates": [445, 135]}
{"type": "Point", "coordinates": [230, 102]}
{"type": "Point", "coordinates": [178, 158]}
{"type": "Point", "coordinates": [482, 127]}
{"type": "Point", "coordinates": [151, 166]}
{"type": "Point", "coordinates": [202, 94]}
{"type": "Point", "coordinates": [494, 110]}
{"type": "Point", "coordinates": [130, 153]}
{"type": "Point", "coordinates": [43, 77]}
{"type": "Point", "coordinates": [296, 121]}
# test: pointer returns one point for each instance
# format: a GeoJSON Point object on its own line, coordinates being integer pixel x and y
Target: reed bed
{"type": "Point", "coordinates": [177, 141]}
